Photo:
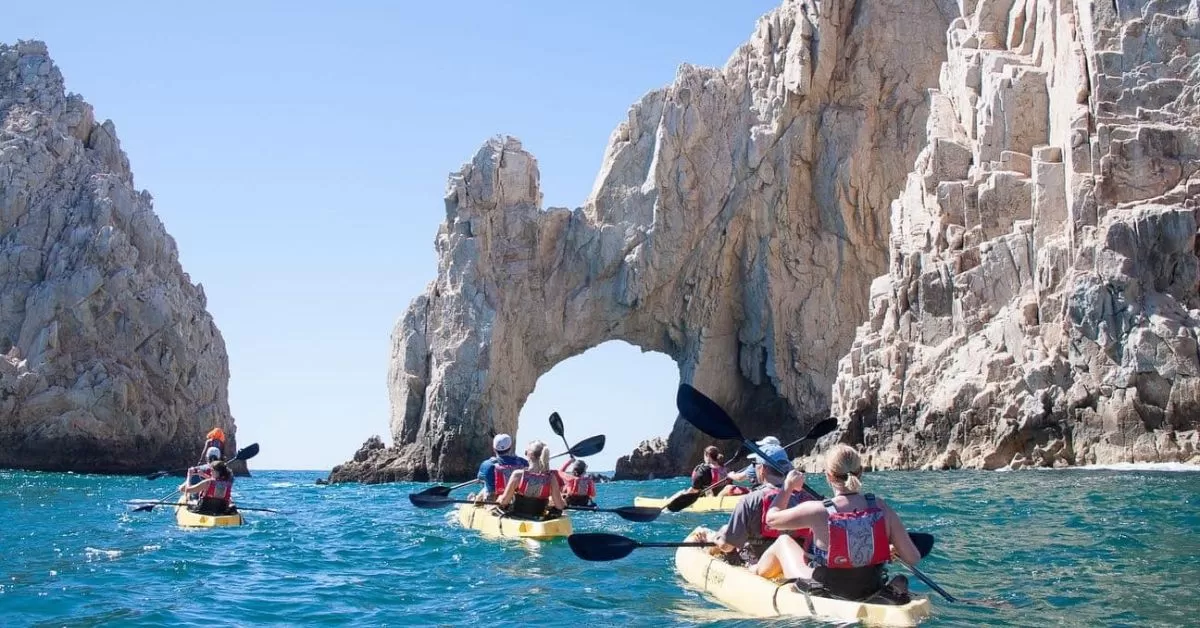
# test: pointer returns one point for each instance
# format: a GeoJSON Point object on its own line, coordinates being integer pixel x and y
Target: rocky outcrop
{"type": "Point", "coordinates": [649, 460]}
{"type": "Point", "coordinates": [110, 362]}
{"type": "Point", "coordinates": [1041, 306]}
{"type": "Point", "coordinates": [736, 222]}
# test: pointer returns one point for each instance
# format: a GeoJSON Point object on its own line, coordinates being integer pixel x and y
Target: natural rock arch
{"type": "Point", "coordinates": [737, 221]}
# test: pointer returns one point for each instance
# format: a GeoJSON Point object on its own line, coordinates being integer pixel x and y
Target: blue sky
{"type": "Point", "coordinates": [298, 153]}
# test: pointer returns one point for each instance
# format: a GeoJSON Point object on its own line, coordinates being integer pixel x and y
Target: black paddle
{"type": "Point", "coordinates": [584, 448]}
{"type": "Point", "coordinates": [177, 503]}
{"type": "Point", "coordinates": [556, 424]}
{"type": "Point", "coordinates": [687, 499]}
{"type": "Point", "coordinates": [705, 415]}
{"type": "Point", "coordinates": [444, 491]}
{"type": "Point", "coordinates": [600, 546]}
{"type": "Point", "coordinates": [640, 514]}
{"type": "Point", "coordinates": [244, 453]}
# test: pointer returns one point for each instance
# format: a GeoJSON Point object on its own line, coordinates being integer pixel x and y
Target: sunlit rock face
{"type": "Point", "coordinates": [736, 223]}
{"type": "Point", "coordinates": [1040, 307]}
{"type": "Point", "coordinates": [109, 361]}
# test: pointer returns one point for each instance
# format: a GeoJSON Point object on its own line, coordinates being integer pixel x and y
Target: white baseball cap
{"type": "Point", "coordinates": [213, 453]}
{"type": "Point", "coordinates": [502, 442]}
{"type": "Point", "coordinates": [769, 440]}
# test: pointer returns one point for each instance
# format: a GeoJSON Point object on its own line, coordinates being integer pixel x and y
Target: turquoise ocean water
{"type": "Point", "coordinates": [1071, 548]}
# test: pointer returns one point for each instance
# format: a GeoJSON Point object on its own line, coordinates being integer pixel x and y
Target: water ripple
{"type": "Point", "coordinates": [1078, 548]}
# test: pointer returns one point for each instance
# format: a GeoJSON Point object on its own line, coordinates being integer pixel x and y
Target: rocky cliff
{"type": "Point", "coordinates": [735, 225]}
{"type": "Point", "coordinates": [110, 362]}
{"type": "Point", "coordinates": [1041, 304]}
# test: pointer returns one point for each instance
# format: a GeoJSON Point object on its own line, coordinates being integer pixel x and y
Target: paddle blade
{"type": "Point", "coordinates": [923, 541]}
{"type": "Point", "coordinates": [157, 474]}
{"type": "Point", "coordinates": [436, 491]}
{"type": "Point", "coordinates": [639, 514]}
{"type": "Point", "coordinates": [683, 501]}
{"type": "Point", "coordinates": [556, 423]}
{"type": "Point", "coordinates": [705, 415]}
{"type": "Point", "coordinates": [822, 428]}
{"type": "Point", "coordinates": [144, 508]}
{"type": "Point", "coordinates": [597, 546]}
{"type": "Point", "coordinates": [588, 447]}
{"type": "Point", "coordinates": [428, 501]}
{"type": "Point", "coordinates": [246, 453]}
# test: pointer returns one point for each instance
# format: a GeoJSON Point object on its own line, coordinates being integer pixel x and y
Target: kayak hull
{"type": "Point", "coordinates": [487, 522]}
{"type": "Point", "coordinates": [704, 504]}
{"type": "Point", "coordinates": [741, 590]}
{"type": "Point", "coordinates": [188, 519]}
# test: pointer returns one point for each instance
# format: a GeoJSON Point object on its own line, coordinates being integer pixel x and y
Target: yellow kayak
{"type": "Point", "coordinates": [188, 519]}
{"type": "Point", "coordinates": [707, 503]}
{"type": "Point", "coordinates": [741, 590]}
{"type": "Point", "coordinates": [488, 522]}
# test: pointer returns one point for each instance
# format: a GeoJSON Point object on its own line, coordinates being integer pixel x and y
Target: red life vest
{"type": "Point", "coordinates": [580, 486]}
{"type": "Point", "coordinates": [502, 472]}
{"type": "Point", "coordinates": [535, 485]}
{"type": "Point", "coordinates": [219, 489]}
{"type": "Point", "coordinates": [803, 535]}
{"type": "Point", "coordinates": [718, 473]}
{"type": "Point", "coordinates": [856, 539]}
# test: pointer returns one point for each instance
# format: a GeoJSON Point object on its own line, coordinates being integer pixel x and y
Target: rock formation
{"type": "Point", "coordinates": [111, 363]}
{"type": "Point", "coordinates": [1041, 306]}
{"type": "Point", "coordinates": [736, 223]}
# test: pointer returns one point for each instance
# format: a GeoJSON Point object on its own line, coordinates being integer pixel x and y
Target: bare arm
{"type": "Point", "coordinates": [556, 498]}
{"type": "Point", "coordinates": [805, 515]}
{"type": "Point", "coordinates": [898, 535]}
{"type": "Point", "coordinates": [510, 487]}
{"type": "Point", "coordinates": [195, 488]}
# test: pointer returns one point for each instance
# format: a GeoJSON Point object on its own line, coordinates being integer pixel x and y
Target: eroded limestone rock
{"type": "Point", "coordinates": [1041, 307]}
{"type": "Point", "coordinates": [110, 362]}
{"type": "Point", "coordinates": [736, 222]}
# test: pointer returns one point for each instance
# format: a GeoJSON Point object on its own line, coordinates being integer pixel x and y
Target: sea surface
{"type": "Point", "coordinates": [1063, 548]}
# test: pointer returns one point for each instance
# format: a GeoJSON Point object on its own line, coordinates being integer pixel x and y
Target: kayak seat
{"type": "Point", "coordinates": [864, 584]}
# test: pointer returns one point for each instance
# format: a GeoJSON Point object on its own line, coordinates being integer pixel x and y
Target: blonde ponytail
{"type": "Point", "coordinates": [844, 468]}
{"type": "Point", "coordinates": [539, 456]}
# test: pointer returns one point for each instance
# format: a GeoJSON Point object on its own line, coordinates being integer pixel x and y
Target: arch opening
{"type": "Point", "coordinates": [615, 389]}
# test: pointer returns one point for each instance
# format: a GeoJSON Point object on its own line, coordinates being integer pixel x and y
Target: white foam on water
{"type": "Point", "coordinates": [1142, 466]}
{"type": "Point", "coordinates": [281, 484]}
{"type": "Point", "coordinates": [93, 553]}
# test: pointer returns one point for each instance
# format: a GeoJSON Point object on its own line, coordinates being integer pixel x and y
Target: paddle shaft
{"type": "Point", "coordinates": [165, 503]}
{"type": "Point", "coordinates": [681, 544]}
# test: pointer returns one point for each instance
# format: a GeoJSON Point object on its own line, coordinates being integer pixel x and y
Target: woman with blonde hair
{"type": "Point", "coordinates": [530, 491]}
{"type": "Point", "coordinates": [853, 535]}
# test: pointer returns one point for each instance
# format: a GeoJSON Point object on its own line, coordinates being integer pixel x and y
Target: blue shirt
{"type": "Point", "coordinates": [751, 476]}
{"type": "Point", "coordinates": [487, 470]}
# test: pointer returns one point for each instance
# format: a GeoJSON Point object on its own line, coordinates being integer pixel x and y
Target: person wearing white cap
{"type": "Point", "coordinates": [747, 537]}
{"type": "Point", "coordinates": [495, 471]}
{"type": "Point", "coordinates": [748, 474]}
{"type": "Point", "coordinates": [196, 474]}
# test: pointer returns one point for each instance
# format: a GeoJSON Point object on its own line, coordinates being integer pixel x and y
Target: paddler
{"type": "Point", "coordinates": [530, 491]}
{"type": "Point", "coordinates": [851, 534]}
{"type": "Point", "coordinates": [214, 438]}
{"type": "Point", "coordinates": [705, 474]}
{"type": "Point", "coordinates": [579, 489]}
{"type": "Point", "coordinates": [495, 471]}
{"type": "Point", "coordinates": [195, 474]}
{"type": "Point", "coordinates": [746, 539]}
{"type": "Point", "coordinates": [746, 475]}
{"type": "Point", "coordinates": [216, 491]}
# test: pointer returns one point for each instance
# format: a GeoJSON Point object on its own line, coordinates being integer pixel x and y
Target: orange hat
{"type": "Point", "coordinates": [217, 433]}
